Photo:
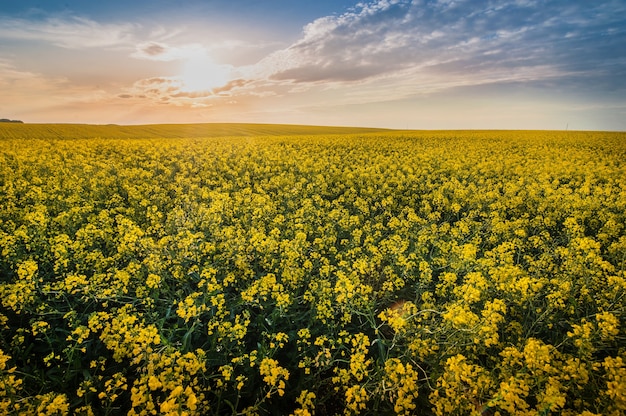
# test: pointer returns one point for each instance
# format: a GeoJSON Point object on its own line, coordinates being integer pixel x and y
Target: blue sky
{"type": "Point", "coordinates": [438, 64]}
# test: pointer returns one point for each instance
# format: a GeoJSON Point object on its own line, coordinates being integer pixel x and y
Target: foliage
{"type": "Point", "coordinates": [384, 273]}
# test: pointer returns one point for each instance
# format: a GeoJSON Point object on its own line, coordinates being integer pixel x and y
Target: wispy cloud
{"type": "Point", "coordinates": [13, 79]}
{"type": "Point", "coordinates": [378, 54]}
{"type": "Point", "coordinates": [26, 93]}
{"type": "Point", "coordinates": [159, 51]}
{"type": "Point", "coordinates": [71, 32]}
{"type": "Point", "coordinates": [454, 42]}
{"type": "Point", "coordinates": [172, 90]}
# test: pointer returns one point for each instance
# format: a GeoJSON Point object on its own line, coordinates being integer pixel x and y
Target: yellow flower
{"type": "Point", "coordinates": [273, 375]}
{"type": "Point", "coordinates": [154, 383]}
{"type": "Point", "coordinates": [615, 368]}
{"type": "Point", "coordinates": [402, 385]}
{"type": "Point", "coordinates": [40, 327]}
{"type": "Point", "coordinates": [608, 325]}
{"type": "Point", "coordinates": [460, 316]}
{"type": "Point", "coordinates": [356, 399]}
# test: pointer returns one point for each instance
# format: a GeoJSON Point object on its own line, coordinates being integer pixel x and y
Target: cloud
{"type": "Point", "coordinates": [31, 94]}
{"type": "Point", "coordinates": [158, 51]}
{"type": "Point", "coordinates": [232, 85]}
{"type": "Point", "coordinates": [456, 42]}
{"type": "Point", "coordinates": [70, 32]}
{"type": "Point", "coordinates": [378, 53]}
{"type": "Point", "coordinates": [14, 80]}
{"type": "Point", "coordinates": [153, 49]}
{"type": "Point", "coordinates": [75, 32]}
{"type": "Point", "coordinates": [172, 90]}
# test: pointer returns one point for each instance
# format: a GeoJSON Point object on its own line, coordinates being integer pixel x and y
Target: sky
{"type": "Point", "coordinates": [404, 64]}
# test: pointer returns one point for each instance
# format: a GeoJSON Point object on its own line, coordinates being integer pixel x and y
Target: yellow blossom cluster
{"type": "Point", "coordinates": [402, 384]}
{"type": "Point", "coordinates": [441, 272]}
{"type": "Point", "coordinates": [274, 376]}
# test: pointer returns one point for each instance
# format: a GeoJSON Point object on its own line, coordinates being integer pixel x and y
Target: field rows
{"type": "Point", "coordinates": [167, 131]}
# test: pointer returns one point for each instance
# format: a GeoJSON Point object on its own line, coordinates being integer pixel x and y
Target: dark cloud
{"type": "Point", "coordinates": [153, 49]}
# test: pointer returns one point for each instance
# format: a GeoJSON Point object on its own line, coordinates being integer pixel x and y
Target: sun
{"type": "Point", "coordinates": [201, 73]}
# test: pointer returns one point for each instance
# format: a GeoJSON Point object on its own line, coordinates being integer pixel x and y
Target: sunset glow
{"type": "Point", "coordinates": [382, 63]}
{"type": "Point", "coordinates": [202, 74]}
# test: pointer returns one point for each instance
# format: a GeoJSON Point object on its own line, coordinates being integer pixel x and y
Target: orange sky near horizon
{"type": "Point", "coordinates": [385, 63]}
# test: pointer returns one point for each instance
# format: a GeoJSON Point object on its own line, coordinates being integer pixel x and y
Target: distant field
{"type": "Point", "coordinates": [166, 131]}
{"type": "Point", "coordinates": [187, 269]}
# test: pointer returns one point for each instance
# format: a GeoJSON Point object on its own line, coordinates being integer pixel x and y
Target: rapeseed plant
{"type": "Point", "coordinates": [371, 273]}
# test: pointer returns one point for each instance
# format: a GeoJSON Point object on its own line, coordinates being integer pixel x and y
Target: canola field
{"type": "Point", "coordinates": [275, 271]}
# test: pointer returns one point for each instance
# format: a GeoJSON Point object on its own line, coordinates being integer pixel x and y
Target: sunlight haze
{"type": "Point", "coordinates": [510, 64]}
